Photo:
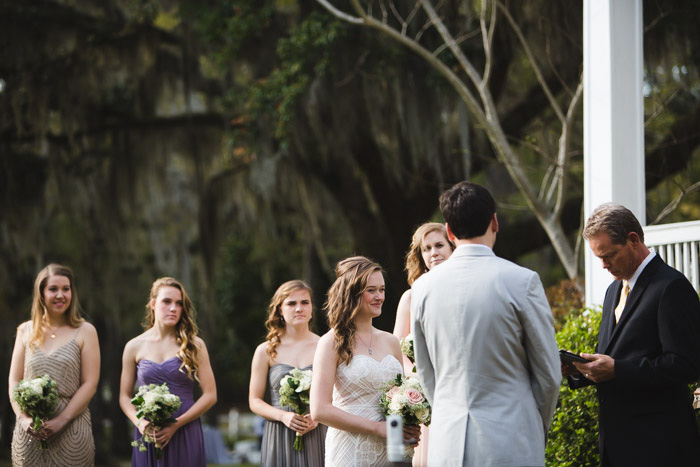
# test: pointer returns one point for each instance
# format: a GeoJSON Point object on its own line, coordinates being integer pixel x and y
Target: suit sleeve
{"type": "Point", "coordinates": [678, 318]}
{"type": "Point", "coordinates": [424, 366]}
{"type": "Point", "coordinates": [541, 347]}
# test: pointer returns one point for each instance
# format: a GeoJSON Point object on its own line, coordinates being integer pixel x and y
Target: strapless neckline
{"type": "Point", "coordinates": [379, 362]}
{"type": "Point", "coordinates": [157, 363]}
{"type": "Point", "coordinates": [290, 366]}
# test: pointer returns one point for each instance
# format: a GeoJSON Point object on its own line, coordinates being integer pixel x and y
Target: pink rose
{"type": "Point", "coordinates": [392, 392]}
{"type": "Point", "coordinates": [414, 396]}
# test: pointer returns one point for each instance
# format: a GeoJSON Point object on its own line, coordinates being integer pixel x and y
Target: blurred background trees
{"type": "Point", "coordinates": [237, 144]}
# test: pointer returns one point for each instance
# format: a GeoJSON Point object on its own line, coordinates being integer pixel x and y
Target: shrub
{"type": "Point", "coordinates": [573, 434]}
{"type": "Point", "coordinates": [563, 297]}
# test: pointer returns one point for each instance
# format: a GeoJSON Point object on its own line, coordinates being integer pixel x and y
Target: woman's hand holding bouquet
{"type": "Point", "coordinates": [37, 398]}
{"type": "Point", "coordinates": [294, 393]}
{"type": "Point", "coordinates": [155, 404]}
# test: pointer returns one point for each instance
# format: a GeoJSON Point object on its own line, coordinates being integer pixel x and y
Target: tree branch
{"type": "Point", "coordinates": [487, 37]}
{"type": "Point", "coordinates": [674, 204]}
{"type": "Point", "coordinates": [340, 14]}
{"type": "Point", "coordinates": [533, 63]}
{"type": "Point", "coordinates": [564, 143]}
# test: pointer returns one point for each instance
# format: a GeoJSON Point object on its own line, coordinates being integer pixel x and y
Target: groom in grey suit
{"type": "Point", "coordinates": [484, 345]}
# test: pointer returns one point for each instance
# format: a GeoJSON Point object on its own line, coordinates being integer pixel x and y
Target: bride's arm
{"type": "Point", "coordinates": [322, 408]}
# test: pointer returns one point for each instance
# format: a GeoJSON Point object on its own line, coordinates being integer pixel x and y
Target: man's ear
{"type": "Point", "coordinates": [633, 238]}
{"type": "Point", "coordinates": [494, 223]}
{"type": "Point", "coordinates": [450, 236]}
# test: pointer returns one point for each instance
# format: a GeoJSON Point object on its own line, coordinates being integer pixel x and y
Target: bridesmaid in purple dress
{"type": "Point", "coordinates": [169, 351]}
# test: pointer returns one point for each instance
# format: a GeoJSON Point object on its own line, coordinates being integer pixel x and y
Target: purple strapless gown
{"type": "Point", "coordinates": [186, 447]}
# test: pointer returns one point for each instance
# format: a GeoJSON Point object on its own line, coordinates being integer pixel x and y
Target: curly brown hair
{"type": "Point", "coordinates": [415, 266]}
{"type": "Point", "coordinates": [274, 323]}
{"type": "Point", "coordinates": [345, 300]}
{"type": "Point", "coordinates": [186, 329]}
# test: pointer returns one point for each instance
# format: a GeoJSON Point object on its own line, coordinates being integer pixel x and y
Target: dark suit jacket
{"type": "Point", "coordinates": [646, 415]}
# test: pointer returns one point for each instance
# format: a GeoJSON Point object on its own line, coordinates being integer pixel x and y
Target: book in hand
{"type": "Point", "coordinates": [570, 357]}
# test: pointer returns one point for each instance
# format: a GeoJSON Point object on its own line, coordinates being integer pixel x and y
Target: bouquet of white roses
{"type": "Point", "coordinates": [407, 349]}
{"type": "Point", "coordinates": [294, 393]}
{"type": "Point", "coordinates": [155, 404]}
{"type": "Point", "coordinates": [696, 399]}
{"type": "Point", "coordinates": [37, 398]}
{"type": "Point", "coordinates": [404, 397]}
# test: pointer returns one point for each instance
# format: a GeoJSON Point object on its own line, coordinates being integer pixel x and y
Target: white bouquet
{"type": "Point", "coordinates": [294, 393]}
{"type": "Point", "coordinates": [696, 400]}
{"type": "Point", "coordinates": [407, 349]}
{"type": "Point", "coordinates": [155, 404]}
{"type": "Point", "coordinates": [37, 398]}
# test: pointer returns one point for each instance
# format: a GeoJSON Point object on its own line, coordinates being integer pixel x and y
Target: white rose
{"type": "Point", "coordinates": [37, 388]}
{"type": "Point", "coordinates": [394, 407]}
{"type": "Point", "coordinates": [304, 383]}
{"type": "Point", "coordinates": [422, 414]}
{"type": "Point", "coordinates": [150, 399]}
{"type": "Point", "coordinates": [400, 398]}
{"type": "Point", "coordinates": [412, 381]}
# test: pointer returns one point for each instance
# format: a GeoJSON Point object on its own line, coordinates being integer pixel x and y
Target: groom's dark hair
{"type": "Point", "coordinates": [468, 209]}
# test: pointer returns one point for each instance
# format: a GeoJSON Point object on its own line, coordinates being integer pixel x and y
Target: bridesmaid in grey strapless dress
{"type": "Point", "coordinates": [278, 440]}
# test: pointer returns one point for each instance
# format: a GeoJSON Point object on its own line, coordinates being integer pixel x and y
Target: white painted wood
{"type": "Point", "coordinates": [679, 246]}
{"type": "Point", "coordinates": [695, 265]}
{"type": "Point", "coordinates": [667, 234]}
{"type": "Point", "coordinates": [613, 118]}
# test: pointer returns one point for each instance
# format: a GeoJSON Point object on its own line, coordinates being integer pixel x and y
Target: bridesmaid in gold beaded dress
{"type": "Point", "coordinates": [58, 342]}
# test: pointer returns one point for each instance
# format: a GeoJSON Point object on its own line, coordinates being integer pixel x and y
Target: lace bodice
{"type": "Point", "coordinates": [357, 391]}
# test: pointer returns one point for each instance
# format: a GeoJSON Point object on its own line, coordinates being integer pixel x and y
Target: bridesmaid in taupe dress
{"type": "Point", "coordinates": [58, 342]}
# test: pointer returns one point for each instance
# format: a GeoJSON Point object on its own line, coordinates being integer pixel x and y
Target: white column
{"type": "Point", "coordinates": [613, 108]}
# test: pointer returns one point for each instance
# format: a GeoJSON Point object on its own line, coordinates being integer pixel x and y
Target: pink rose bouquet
{"type": "Point", "coordinates": [404, 396]}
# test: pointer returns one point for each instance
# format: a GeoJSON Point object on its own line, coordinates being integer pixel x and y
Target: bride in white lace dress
{"type": "Point", "coordinates": [352, 362]}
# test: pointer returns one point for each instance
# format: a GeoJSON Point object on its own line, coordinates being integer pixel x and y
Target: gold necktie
{"type": "Point", "coordinates": [623, 299]}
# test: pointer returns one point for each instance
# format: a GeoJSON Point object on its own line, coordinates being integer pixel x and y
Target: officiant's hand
{"type": "Point", "coordinates": [411, 435]}
{"type": "Point", "coordinates": [601, 368]}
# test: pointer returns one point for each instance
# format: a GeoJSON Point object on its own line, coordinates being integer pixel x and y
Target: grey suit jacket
{"type": "Point", "coordinates": [487, 359]}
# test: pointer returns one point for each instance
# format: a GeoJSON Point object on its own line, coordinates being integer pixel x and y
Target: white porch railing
{"type": "Point", "coordinates": [679, 245]}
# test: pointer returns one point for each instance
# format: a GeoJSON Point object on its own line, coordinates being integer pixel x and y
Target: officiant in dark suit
{"type": "Point", "coordinates": [648, 350]}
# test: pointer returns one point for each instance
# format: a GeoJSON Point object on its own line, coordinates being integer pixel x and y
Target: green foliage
{"type": "Point", "coordinates": [305, 54]}
{"type": "Point", "coordinates": [564, 297]}
{"type": "Point", "coordinates": [573, 435]}
{"type": "Point", "coordinates": [229, 26]}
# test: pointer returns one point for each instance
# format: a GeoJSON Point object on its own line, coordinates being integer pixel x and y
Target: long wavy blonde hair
{"type": "Point", "coordinates": [415, 266]}
{"type": "Point", "coordinates": [36, 337]}
{"type": "Point", "coordinates": [345, 300]}
{"type": "Point", "coordinates": [274, 323]}
{"type": "Point", "coordinates": [186, 328]}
